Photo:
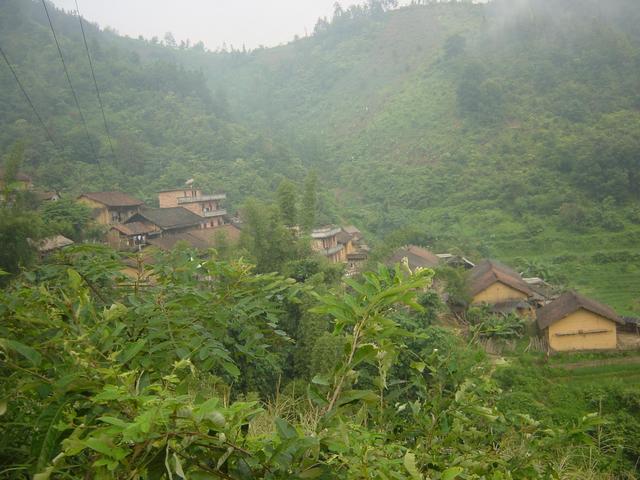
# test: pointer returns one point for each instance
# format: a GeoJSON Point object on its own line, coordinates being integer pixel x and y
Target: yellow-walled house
{"type": "Point", "coordinates": [573, 322]}
{"type": "Point", "coordinates": [492, 283]}
{"type": "Point", "coordinates": [111, 208]}
{"type": "Point", "coordinates": [497, 285]}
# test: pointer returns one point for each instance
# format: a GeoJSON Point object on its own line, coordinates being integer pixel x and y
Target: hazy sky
{"type": "Point", "coordinates": [237, 22]}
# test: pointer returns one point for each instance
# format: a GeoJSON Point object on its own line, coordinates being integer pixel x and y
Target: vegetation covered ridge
{"type": "Point", "coordinates": [203, 369]}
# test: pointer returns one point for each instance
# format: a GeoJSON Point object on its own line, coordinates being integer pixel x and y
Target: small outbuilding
{"type": "Point", "coordinates": [51, 244]}
{"type": "Point", "coordinates": [574, 322]}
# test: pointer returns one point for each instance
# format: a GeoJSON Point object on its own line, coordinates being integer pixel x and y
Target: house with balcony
{"type": "Point", "coordinates": [325, 242]}
{"type": "Point", "coordinates": [209, 207]}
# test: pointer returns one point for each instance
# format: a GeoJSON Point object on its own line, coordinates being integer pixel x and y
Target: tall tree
{"type": "Point", "coordinates": [287, 202]}
{"type": "Point", "coordinates": [12, 165]}
{"type": "Point", "coordinates": [309, 202]}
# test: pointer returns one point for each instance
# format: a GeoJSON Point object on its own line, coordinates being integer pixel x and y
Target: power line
{"type": "Point", "coordinates": [95, 82]}
{"type": "Point", "coordinates": [26, 95]}
{"type": "Point", "coordinates": [73, 92]}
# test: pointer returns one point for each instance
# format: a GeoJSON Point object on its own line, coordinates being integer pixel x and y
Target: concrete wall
{"type": "Point", "coordinates": [170, 199]}
{"type": "Point", "coordinates": [582, 330]}
{"type": "Point", "coordinates": [498, 293]}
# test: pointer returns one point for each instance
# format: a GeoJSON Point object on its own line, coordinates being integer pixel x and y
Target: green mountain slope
{"type": "Point", "coordinates": [510, 129]}
{"type": "Point", "coordinates": [165, 124]}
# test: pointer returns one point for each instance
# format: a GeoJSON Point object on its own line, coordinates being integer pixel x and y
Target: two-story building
{"type": "Point", "coordinates": [209, 207]}
{"type": "Point", "coordinates": [111, 208]}
{"type": "Point", "coordinates": [325, 242]}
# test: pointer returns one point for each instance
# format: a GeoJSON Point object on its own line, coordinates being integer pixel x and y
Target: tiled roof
{"type": "Point", "coordinates": [488, 272]}
{"type": "Point", "coordinates": [416, 257]}
{"type": "Point", "coordinates": [133, 228]}
{"type": "Point", "coordinates": [325, 232]}
{"type": "Point", "coordinates": [168, 218]}
{"type": "Point", "coordinates": [54, 243]}
{"type": "Point", "coordinates": [569, 303]}
{"type": "Point", "coordinates": [113, 199]}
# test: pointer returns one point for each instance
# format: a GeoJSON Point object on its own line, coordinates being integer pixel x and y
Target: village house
{"type": "Point", "coordinates": [574, 322]}
{"type": "Point", "coordinates": [494, 284]}
{"type": "Point", "coordinates": [21, 181]}
{"type": "Point", "coordinates": [353, 232]}
{"type": "Point", "coordinates": [111, 208]}
{"type": "Point", "coordinates": [356, 251]}
{"type": "Point", "coordinates": [325, 242]}
{"type": "Point", "coordinates": [131, 235]}
{"type": "Point", "coordinates": [415, 257]}
{"type": "Point", "coordinates": [206, 206]}
{"type": "Point", "coordinates": [161, 221]}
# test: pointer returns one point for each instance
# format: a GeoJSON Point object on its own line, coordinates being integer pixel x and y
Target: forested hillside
{"type": "Point", "coordinates": [165, 124]}
{"type": "Point", "coordinates": [509, 129]}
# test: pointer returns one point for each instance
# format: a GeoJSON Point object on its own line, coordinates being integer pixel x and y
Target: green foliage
{"type": "Point", "coordinates": [309, 202]}
{"type": "Point", "coordinates": [19, 230]}
{"type": "Point", "coordinates": [107, 380]}
{"type": "Point", "coordinates": [484, 324]}
{"type": "Point", "coordinates": [286, 194]}
{"type": "Point", "coordinates": [67, 217]}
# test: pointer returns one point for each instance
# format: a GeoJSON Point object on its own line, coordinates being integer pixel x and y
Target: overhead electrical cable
{"type": "Point", "coordinates": [95, 82]}
{"type": "Point", "coordinates": [73, 92]}
{"type": "Point", "coordinates": [26, 95]}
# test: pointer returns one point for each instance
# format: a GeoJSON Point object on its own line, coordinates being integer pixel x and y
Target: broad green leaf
{"type": "Point", "coordinates": [351, 396]}
{"type": "Point", "coordinates": [365, 353]}
{"type": "Point", "coordinates": [419, 366]}
{"type": "Point", "coordinates": [451, 473]}
{"type": "Point", "coordinates": [27, 352]}
{"type": "Point", "coordinates": [315, 396]}
{"type": "Point", "coordinates": [179, 470]}
{"type": "Point", "coordinates": [102, 446]}
{"type": "Point", "coordinates": [231, 369]}
{"type": "Point", "coordinates": [114, 421]}
{"type": "Point", "coordinates": [320, 380]}
{"type": "Point", "coordinates": [75, 280]}
{"type": "Point", "coordinates": [132, 351]}
{"type": "Point", "coordinates": [45, 443]}
{"type": "Point", "coordinates": [285, 430]}
{"type": "Point", "coordinates": [410, 464]}
{"type": "Point", "coordinates": [314, 472]}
